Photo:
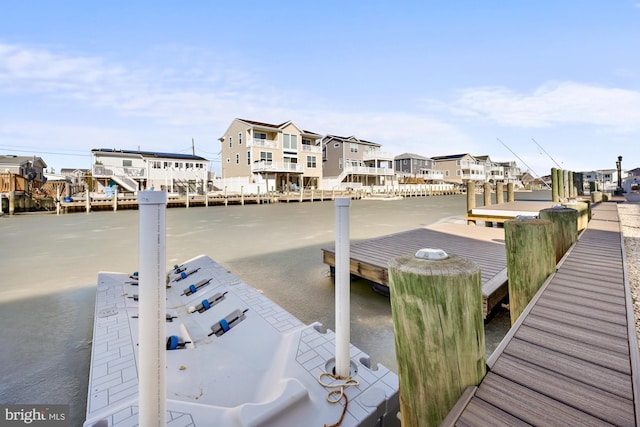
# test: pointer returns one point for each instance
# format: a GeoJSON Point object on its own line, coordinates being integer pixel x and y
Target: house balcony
{"type": "Point", "coordinates": [128, 177]}
{"type": "Point", "coordinates": [365, 170]}
{"type": "Point", "coordinates": [101, 171]}
{"type": "Point", "coordinates": [430, 175]}
{"type": "Point", "coordinates": [262, 143]}
{"type": "Point", "coordinates": [267, 166]}
{"type": "Point", "coordinates": [466, 176]}
{"type": "Point", "coordinates": [377, 155]}
{"type": "Point", "coordinates": [311, 148]}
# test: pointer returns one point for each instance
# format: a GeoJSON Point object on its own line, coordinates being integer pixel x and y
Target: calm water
{"type": "Point", "coordinates": [50, 265]}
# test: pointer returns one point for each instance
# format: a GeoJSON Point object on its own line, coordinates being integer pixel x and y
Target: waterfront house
{"type": "Point", "coordinates": [274, 156]}
{"type": "Point", "coordinates": [31, 168]}
{"type": "Point", "coordinates": [512, 173]}
{"type": "Point", "coordinates": [416, 168]}
{"type": "Point", "coordinates": [350, 162]}
{"type": "Point", "coordinates": [131, 170]}
{"type": "Point", "coordinates": [459, 168]}
{"type": "Point", "coordinates": [74, 175]}
{"type": "Point", "coordinates": [493, 171]}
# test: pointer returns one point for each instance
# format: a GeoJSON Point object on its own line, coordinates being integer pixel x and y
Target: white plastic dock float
{"type": "Point", "coordinates": [238, 359]}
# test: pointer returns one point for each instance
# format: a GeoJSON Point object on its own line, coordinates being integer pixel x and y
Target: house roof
{"type": "Point", "coordinates": [279, 127]}
{"type": "Point", "coordinates": [410, 156]}
{"type": "Point", "coordinates": [10, 159]}
{"type": "Point", "coordinates": [350, 139]}
{"type": "Point", "coordinates": [155, 154]}
{"type": "Point", "coordinates": [451, 156]}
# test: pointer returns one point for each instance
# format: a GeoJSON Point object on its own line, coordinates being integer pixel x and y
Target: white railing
{"type": "Point", "coordinates": [431, 175]}
{"type": "Point", "coordinates": [474, 177]}
{"type": "Point", "coordinates": [377, 155]}
{"type": "Point", "coordinates": [365, 170]}
{"type": "Point", "coordinates": [122, 173]}
{"type": "Point", "coordinates": [311, 148]}
{"type": "Point", "coordinates": [264, 143]}
{"type": "Point", "coordinates": [266, 166]}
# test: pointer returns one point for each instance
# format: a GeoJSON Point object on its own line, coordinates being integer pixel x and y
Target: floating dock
{"type": "Point", "coordinates": [234, 358]}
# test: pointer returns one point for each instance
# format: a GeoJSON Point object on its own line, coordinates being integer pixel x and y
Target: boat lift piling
{"type": "Point", "coordinates": [343, 288]}
{"type": "Point", "coordinates": [152, 388]}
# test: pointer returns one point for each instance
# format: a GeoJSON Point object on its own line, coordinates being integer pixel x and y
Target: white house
{"type": "Point", "coordinates": [138, 170]}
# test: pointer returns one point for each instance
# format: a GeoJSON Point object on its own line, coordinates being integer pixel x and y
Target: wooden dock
{"type": "Point", "coordinates": [130, 201]}
{"type": "Point", "coordinates": [369, 258]}
{"type": "Point", "coordinates": [572, 356]}
{"type": "Point", "coordinates": [505, 211]}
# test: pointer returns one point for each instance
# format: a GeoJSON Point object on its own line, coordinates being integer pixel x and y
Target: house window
{"type": "Point", "coordinates": [260, 135]}
{"type": "Point", "coordinates": [457, 162]}
{"type": "Point", "coordinates": [127, 163]}
{"type": "Point", "coordinates": [240, 138]}
{"type": "Point", "coordinates": [289, 142]}
{"type": "Point", "coordinates": [266, 156]}
{"type": "Point", "coordinates": [353, 148]}
{"type": "Point", "coordinates": [336, 145]}
{"type": "Point", "coordinates": [156, 165]}
{"type": "Point", "coordinates": [230, 141]}
{"type": "Point", "coordinates": [404, 161]}
{"type": "Point", "coordinates": [311, 161]}
{"type": "Point", "coordinates": [237, 159]}
{"type": "Point", "coordinates": [228, 160]}
{"type": "Point", "coordinates": [248, 157]}
{"type": "Point", "coordinates": [340, 163]}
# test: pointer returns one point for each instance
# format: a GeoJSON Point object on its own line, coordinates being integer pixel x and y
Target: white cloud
{"type": "Point", "coordinates": [552, 104]}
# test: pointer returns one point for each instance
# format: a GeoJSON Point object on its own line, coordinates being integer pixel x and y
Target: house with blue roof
{"type": "Point", "coordinates": [129, 170]}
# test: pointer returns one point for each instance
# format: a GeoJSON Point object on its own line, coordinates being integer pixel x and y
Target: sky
{"type": "Point", "coordinates": [544, 83]}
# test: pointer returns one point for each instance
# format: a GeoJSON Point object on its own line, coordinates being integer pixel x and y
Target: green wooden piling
{"type": "Point", "coordinates": [560, 174]}
{"type": "Point", "coordinates": [471, 196]}
{"type": "Point", "coordinates": [572, 188]}
{"type": "Point", "coordinates": [486, 191]}
{"type": "Point", "coordinates": [530, 260]}
{"type": "Point", "coordinates": [511, 194]}
{"type": "Point", "coordinates": [555, 198]}
{"type": "Point", "coordinates": [499, 193]}
{"type": "Point", "coordinates": [596, 196]}
{"type": "Point", "coordinates": [565, 227]}
{"type": "Point", "coordinates": [584, 212]}
{"type": "Point", "coordinates": [439, 334]}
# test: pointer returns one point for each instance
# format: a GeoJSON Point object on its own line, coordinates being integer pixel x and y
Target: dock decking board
{"type": "Point", "coordinates": [568, 360]}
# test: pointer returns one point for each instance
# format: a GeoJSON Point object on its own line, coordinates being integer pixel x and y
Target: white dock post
{"type": "Point", "coordinates": [152, 308]}
{"type": "Point", "coordinates": [87, 200]}
{"type": "Point", "coordinates": [115, 199]}
{"type": "Point", "coordinates": [343, 287]}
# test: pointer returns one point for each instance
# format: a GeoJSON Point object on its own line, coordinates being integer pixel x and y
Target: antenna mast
{"type": "Point", "coordinates": [518, 157]}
